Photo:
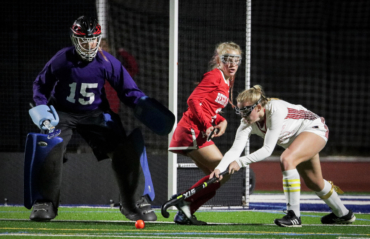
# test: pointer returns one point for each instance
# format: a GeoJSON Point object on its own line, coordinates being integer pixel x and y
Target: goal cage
{"type": "Point", "coordinates": [309, 52]}
{"type": "Point", "coordinates": [173, 42]}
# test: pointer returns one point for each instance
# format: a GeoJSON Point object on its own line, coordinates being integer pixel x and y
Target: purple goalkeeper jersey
{"type": "Point", "coordinates": [78, 85]}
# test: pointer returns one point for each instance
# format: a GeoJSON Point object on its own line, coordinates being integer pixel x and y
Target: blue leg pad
{"type": "Point", "coordinates": [38, 147]}
{"type": "Point", "coordinates": [138, 140]}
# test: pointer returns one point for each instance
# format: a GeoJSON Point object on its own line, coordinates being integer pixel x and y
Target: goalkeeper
{"type": "Point", "coordinates": [303, 134]}
{"type": "Point", "coordinates": [73, 83]}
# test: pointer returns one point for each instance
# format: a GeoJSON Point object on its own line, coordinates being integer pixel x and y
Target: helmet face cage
{"type": "Point", "coordinates": [86, 37]}
{"type": "Point", "coordinates": [229, 59]}
{"type": "Point", "coordinates": [246, 111]}
{"type": "Point", "coordinates": [83, 46]}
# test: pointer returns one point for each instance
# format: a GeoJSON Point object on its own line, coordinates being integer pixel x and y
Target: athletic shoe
{"type": "Point", "coordinates": [184, 216]}
{"type": "Point", "coordinates": [43, 211]}
{"type": "Point", "coordinates": [289, 220]}
{"type": "Point", "coordinates": [143, 210]}
{"type": "Point", "coordinates": [333, 219]}
{"type": "Point", "coordinates": [182, 219]}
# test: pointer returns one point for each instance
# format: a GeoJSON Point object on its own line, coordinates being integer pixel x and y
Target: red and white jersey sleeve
{"type": "Point", "coordinates": [208, 99]}
{"type": "Point", "coordinates": [282, 124]}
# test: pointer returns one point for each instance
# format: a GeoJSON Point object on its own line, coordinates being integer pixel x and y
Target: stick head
{"type": "Point", "coordinates": [166, 205]}
{"type": "Point", "coordinates": [172, 202]}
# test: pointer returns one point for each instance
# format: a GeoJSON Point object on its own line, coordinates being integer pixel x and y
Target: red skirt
{"type": "Point", "coordinates": [188, 137]}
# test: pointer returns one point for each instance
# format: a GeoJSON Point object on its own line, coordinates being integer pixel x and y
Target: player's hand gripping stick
{"type": "Point", "coordinates": [186, 194]}
{"type": "Point", "coordinates": [210, 135]}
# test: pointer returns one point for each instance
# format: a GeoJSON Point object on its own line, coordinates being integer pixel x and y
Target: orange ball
{"type": "Point", "coordinates": [139, 224]}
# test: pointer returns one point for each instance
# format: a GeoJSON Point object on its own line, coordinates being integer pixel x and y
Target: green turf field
{"type": "Point", "coordinates": [109, 223]}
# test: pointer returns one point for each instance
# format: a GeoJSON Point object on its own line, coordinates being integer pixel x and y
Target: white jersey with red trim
{"type": "Point", "coordinates": [283, 122]}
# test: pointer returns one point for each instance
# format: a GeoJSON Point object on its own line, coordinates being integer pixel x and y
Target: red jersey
{"type": "Point", "coordinates": [207, 100]}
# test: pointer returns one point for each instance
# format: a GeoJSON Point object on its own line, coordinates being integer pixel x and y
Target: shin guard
{"type": "Point", "coordinates": [292, 190]}
{"type": "Point", "coordinates": [38, 149]}
{"type": "Point", "coordinates": [197, 200]}
{"type": "Point", "coordinates": [329, 194]}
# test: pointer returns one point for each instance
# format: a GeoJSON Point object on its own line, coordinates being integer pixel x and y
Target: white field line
{"type": "Point", "coordinates": [308, 199]}
{"type": "Point", "coordinates": [209, 223]}
{"type": "Point", "coordinates": [99, 236]}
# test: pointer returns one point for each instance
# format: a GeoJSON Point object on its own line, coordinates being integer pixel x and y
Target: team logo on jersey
{"type": "Point", "coordinates": [221, 99]}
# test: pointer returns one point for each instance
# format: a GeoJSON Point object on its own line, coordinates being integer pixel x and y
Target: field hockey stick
{"type": "Point", "coordinates": [186, 194]}
{"type": "Point", "coordinates": [210, 135]}
{"type": "Point", "coordinates": [52, 131]}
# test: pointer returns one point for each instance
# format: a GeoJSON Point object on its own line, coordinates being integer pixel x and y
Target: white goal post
{"type": "Point", "coordinates": [173, 87]}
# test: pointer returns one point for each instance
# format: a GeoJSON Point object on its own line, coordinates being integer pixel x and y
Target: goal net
{"type": "Point", "coordinates": [309, 52]}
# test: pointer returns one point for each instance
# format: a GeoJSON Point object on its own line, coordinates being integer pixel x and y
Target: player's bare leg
{"type": "Point", "coordinates": [311, 173]}
{"type": "Point", "coordinates": [303, 149]}
{"type": "Point", "coordinates": [303, 154]}
{"type": "Point", "coordinates": [207, 159]}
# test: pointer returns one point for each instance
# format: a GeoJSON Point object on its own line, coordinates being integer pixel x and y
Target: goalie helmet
{"type": "Point", "coordinates": [86, 36]}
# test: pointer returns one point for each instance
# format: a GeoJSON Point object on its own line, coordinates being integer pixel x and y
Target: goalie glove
{"type": "Point", "coordinates": [44, 117]}
{"type": "Point", "coordinates": [154, 115]}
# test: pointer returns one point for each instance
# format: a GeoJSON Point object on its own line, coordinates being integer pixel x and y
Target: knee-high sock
{"type": "Point", "coordinates": [292, 190]}
{"type": "Point", "coordinates": [198, 199]}
{"type": "Point", "coordinates": [331, 198]}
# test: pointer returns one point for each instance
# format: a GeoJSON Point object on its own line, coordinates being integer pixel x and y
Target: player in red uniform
{"type": "Point", "coordinates": [200, 119]}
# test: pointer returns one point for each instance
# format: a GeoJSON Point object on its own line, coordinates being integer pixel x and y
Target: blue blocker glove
{"type": "Point", "coordinates": [154, 115]}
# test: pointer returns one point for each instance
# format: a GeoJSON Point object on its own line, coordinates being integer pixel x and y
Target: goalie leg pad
{"type": "Point", "coordinates": [39, 150]}
{"type": "Point", "coordinates": [130, 165]}
{"type": "Point", "coordinates": [137, 138]}
{"type": "Point", "coordinates": [154, 115]}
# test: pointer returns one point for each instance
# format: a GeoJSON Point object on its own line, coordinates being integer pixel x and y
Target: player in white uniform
{"type": "Point", "coordinates": [303, 134]}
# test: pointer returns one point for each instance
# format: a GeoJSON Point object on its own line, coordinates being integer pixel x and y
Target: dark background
{"type": "Point", "coordinates": [313, 53]}
{"type": "Point", "coordinates": [309, 52]}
